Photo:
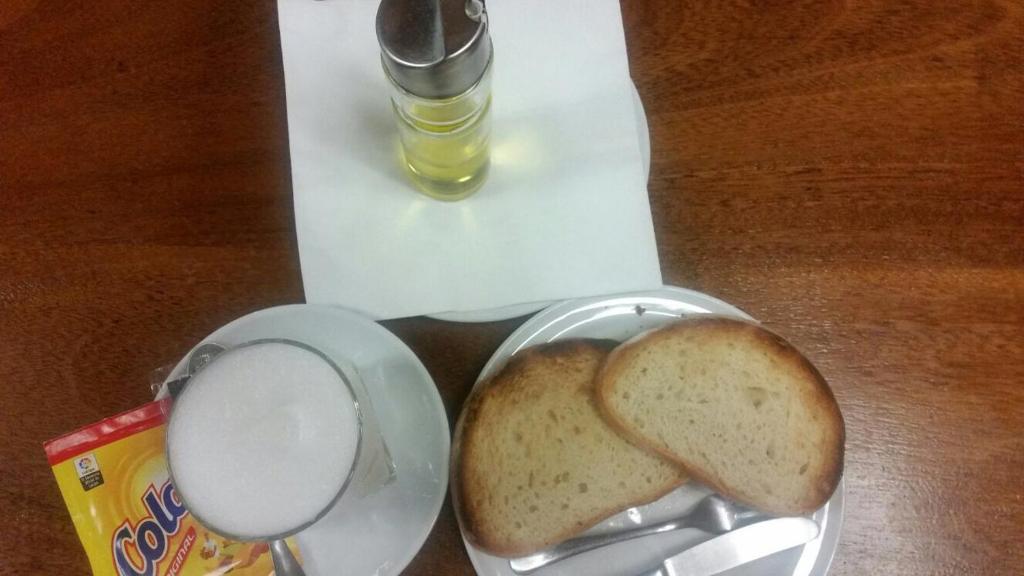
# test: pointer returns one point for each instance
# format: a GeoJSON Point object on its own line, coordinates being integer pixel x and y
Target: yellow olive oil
{"type": "Point", "coordinates": [445, 146]}
{"type": "Point", "coordinates": [437, 57]}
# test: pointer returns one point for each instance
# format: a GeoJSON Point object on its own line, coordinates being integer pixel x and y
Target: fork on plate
{"type": "Point", "coordinates": [712, 514]}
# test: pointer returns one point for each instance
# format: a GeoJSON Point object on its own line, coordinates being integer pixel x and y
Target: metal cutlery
{"type": "Point", "coordinates": [739, 547]}
{"type": "Point", "coordinates": [199, 357]}
{"type": "Point", "coordinates": [712, 514]}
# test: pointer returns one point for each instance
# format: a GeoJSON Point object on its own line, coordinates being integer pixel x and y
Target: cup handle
{"type": "Point", "coordinates": [285, 563]}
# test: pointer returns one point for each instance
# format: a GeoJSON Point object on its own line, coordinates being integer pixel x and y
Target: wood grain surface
{"type": "Point", "coordinates": [850, 172]}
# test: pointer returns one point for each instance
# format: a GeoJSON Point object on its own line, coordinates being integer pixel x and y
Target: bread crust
{"type": "Point", "coordinates": [822, 397]}
{"type": "Point", "coordinates": [467, 440]}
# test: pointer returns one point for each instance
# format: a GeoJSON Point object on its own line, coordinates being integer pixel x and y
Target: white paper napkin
{"type": "Point", "coordinates": [563, 214]}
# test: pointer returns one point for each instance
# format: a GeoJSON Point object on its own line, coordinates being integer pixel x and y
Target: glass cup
{"type": "Point", "coordinates": [370, 465]}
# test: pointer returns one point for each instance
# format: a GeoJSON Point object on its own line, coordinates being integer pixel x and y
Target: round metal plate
{"type": "Point", "coordinates": [619, 318]}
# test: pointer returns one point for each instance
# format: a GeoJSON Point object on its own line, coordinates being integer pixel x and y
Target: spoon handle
{"type": "Point", "coordinates": [285, 563]}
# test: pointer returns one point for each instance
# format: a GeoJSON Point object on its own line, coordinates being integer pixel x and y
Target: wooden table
{"type": "Point", "coordinates": [851, 173]}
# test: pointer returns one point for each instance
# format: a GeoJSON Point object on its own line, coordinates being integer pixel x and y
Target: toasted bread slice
{"type": "Point", "coordinates": [534, 463]}
{"type": "Point", "coordinates": [737, 406]}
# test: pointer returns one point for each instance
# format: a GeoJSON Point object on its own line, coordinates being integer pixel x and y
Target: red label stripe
{"type": "Point", "coordinates": [106, 431]}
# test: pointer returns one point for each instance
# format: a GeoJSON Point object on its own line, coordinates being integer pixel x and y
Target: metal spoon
{"type": "Point", "coordinates": [713, 514]}
{"type": "Point", "coordinates": [199, 357]}
{"type": "Point", "coordinates": [285, 563]}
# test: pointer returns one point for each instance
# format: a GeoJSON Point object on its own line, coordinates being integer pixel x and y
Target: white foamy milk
{"type": "Point", "coordinates": [262, 439]}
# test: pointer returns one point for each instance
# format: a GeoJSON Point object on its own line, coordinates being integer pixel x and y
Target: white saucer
{"type": "Point", "coordinates": [516, 310]}
{"type": "Point", "coordinates": [619, 318]}
{"type": "Point", "coordinates": [491, 314]}
{"type": "Point", "coordinates": [380, 534]}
